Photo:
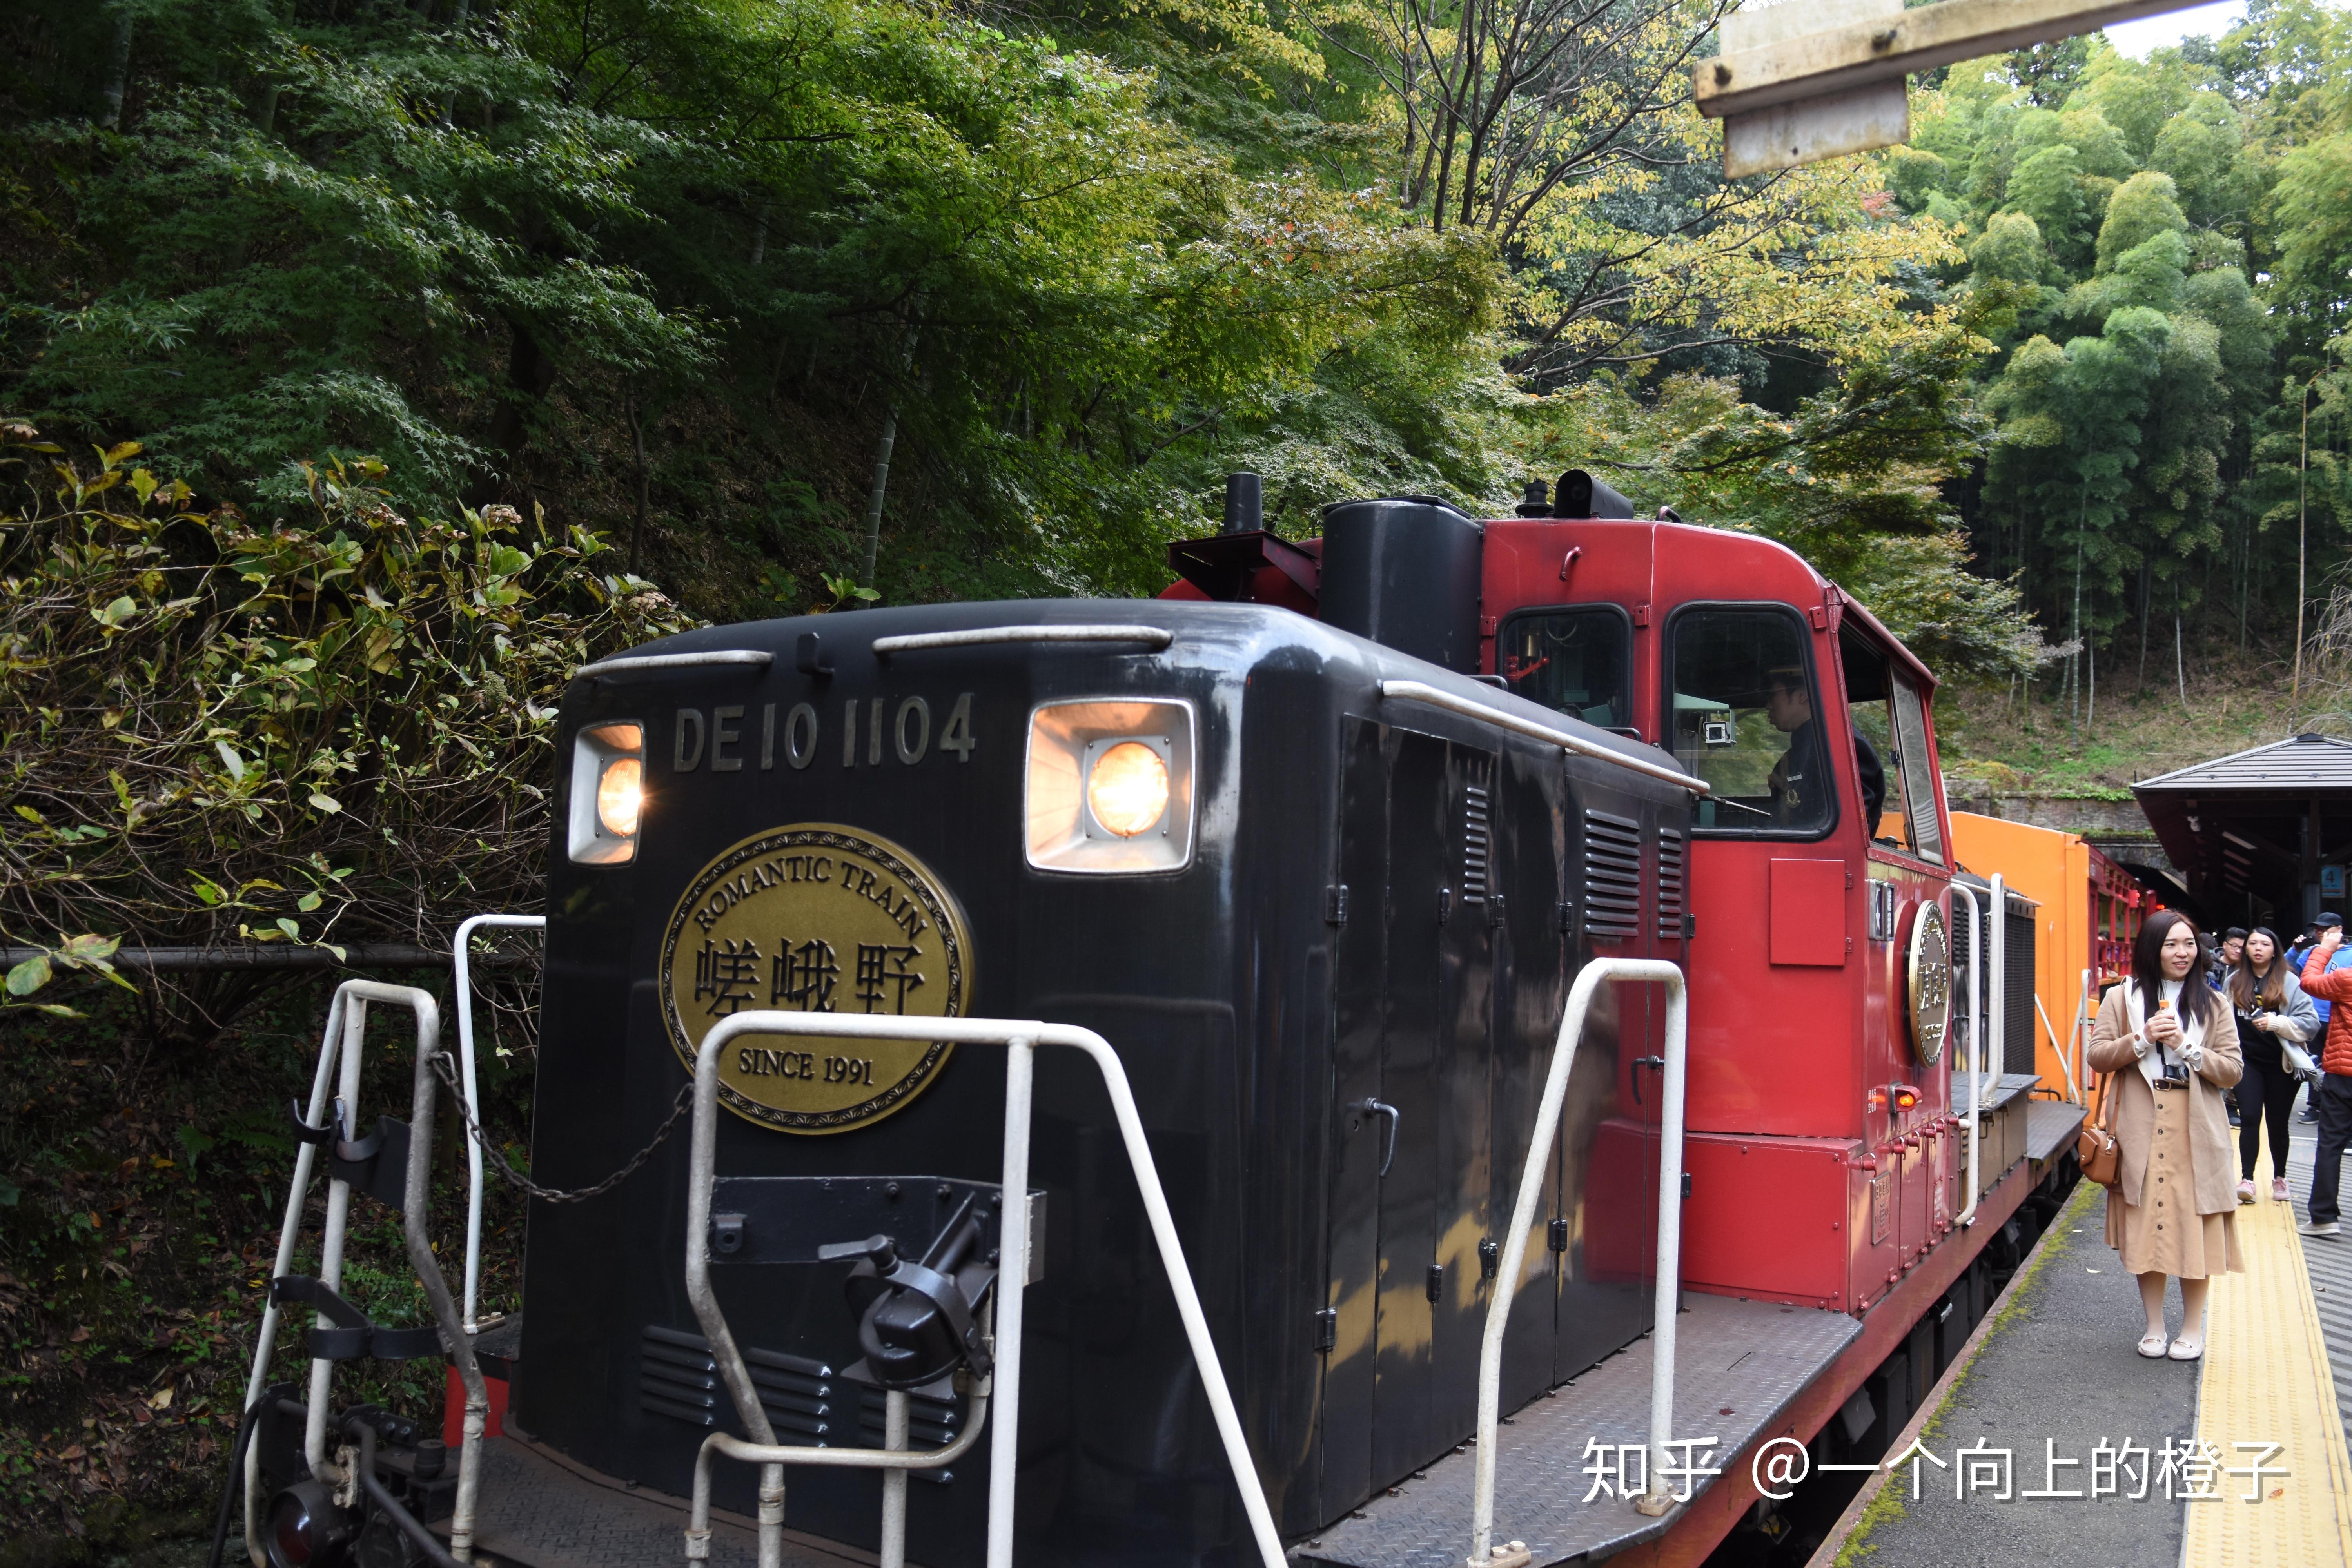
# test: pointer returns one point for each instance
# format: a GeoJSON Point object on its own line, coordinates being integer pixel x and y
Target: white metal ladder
{"type": "Point", "coordinates": [335, 1090]}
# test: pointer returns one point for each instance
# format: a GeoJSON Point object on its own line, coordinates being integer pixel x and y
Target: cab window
{"type": "Point", "coordinates": [1742, 701]}
{"type": "Point", "coordinates": [1890, 729]}
{"type": "Point", "coordinates": [1573, 662]}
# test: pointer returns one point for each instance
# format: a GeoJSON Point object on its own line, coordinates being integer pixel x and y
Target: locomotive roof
{"type": "Point", "coordinates": [1244, 632]}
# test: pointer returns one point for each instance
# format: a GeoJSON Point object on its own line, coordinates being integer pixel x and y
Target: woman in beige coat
{"type": "Point", "coordinates": [2170, 1047]}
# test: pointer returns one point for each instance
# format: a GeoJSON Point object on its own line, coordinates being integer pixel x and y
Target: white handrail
{"type": "Point", "coordinates": [1997, 898]}
{"type": "Point", "coordinates": [1021, 1039]}
{"type": "Point", "coordinates": [2073, 1092]}
{"type": "Point", "coordinates": [1975, 1044]}
{"type": "Point", "coordinates": [461, 952]}
{"type": "Point", "coordinates": [758, 658]}
{"type": "Point", "coordinates": [330, 1265]}
{"type": "Point", "coordinates": [1514, 1244]}
{"type": "Point", "coordinates": [1155, 637]}
{"type": "Point", "coordinates": [1436, 697]}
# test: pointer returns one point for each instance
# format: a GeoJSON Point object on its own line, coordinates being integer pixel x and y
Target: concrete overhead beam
{"type": "Point", "coordinates": [1886, 48]}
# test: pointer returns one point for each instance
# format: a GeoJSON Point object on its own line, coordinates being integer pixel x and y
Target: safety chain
{"type": "Point", "coordinates": [513, 1177]}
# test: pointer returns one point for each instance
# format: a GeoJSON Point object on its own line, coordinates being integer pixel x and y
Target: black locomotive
{"type": "Point", "coordinates": [1339, 945]}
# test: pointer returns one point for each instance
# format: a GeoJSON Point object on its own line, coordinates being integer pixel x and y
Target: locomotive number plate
{"type": "Point", "coordinates": [816, 918]}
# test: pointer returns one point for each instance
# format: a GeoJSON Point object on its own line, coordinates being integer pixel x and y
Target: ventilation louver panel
{"type": "Point", "coordinates": [1612, 877]}
{"type": "Point", "coordinates": [1477, 845]}
{"type": "Point", "coordinates": [1670, 885]}
{"type": "Point", "coordinates": [807, 1402]}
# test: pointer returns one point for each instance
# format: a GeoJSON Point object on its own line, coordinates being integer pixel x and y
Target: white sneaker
{"type": "Point", "coordinates": [2320, 1227]}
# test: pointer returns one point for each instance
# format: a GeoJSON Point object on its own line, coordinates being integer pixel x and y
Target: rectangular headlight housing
{"type": "Point", "coordinates": [1109, 786]}
{"type": "Point", "coordinates": [608, 787]}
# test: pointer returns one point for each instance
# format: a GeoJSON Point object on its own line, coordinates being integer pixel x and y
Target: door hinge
{"type": "Point", "coordinates": [1437, 1283]}
{"type": "Point", "coordinates": [1327, 1328]}
{"type": "Point", "coordinates": [1444, 905]}
{"type": "Point", "coordinates": [1690, 927]}
{"type": "Point", "coordinates": [1564, 916]}
{"type": "Point", "coordinates": [1490, 1258]}
{"type": "Point", "coordinates": [1556, 1234]}
{"type": "Point", "coordinates": [1494, 909]}
{"type": "Point", "coordinates": [1685, 1183]}
{"type": "Point", "coordinates": [1335, 904]}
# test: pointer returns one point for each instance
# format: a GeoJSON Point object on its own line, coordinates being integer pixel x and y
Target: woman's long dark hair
{"type": "Point", "coordinates": [2197, 998]}
{"type": "Point", "coordinates": [2249, 990]}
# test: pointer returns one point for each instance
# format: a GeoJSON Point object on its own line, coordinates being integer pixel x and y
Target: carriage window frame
{"type": "Point", "coordinates": [1669, 640]}
{"type": "Point", "coordinates": [1915, 750]}
{"type": "Point", "coordinates": [1625, 619]}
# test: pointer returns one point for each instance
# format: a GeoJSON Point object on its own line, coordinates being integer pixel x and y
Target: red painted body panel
{"type": "Point", "coordinates": [1800, 1257]}
{"type": "Point", "coordinates": [1808, 912]}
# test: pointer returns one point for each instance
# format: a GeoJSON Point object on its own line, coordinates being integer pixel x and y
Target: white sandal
{"type": "Point", "coordinates": [2152, 1345]}
{"type": "Point", "coordinates": [2195, 1349]}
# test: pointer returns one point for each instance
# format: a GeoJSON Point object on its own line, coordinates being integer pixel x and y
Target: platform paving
{"type": "Point", "coordinates": [2057, 1365]}
{"type": "Point", "coordinates": [2329, 1262]}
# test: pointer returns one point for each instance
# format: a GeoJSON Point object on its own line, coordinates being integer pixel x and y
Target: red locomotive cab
{"type": "Point", "coordinates": [1822, 1156]}
{"type": "Point", "coordinates": [1820, 1111]}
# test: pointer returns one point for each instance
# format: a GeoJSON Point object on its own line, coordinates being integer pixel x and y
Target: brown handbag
{"type": "Point", "coordinates": [2097, 1150]}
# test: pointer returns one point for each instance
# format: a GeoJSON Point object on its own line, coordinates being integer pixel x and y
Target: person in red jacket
{"type": "Point", "coordinates": [2333, 1093]}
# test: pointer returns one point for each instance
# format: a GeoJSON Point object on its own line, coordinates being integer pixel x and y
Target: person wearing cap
{"type": "Point", "coordinates": [2331, 1098]}
{"type": "Point", "coordinates": [1801, 779]}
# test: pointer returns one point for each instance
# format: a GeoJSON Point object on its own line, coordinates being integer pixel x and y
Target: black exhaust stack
{"type": "Point", "coordinates": [1404, 570]}
{"type": "Point", "coordinates": [1244, 503]}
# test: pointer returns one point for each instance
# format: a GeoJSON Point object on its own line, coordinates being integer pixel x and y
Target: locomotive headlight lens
{"type": "Point", "coordinates": [306, 1529]}
{"type": "Point", "coordinates": [619, 794]}
{"type": "Point", "coordinates": [1109, 786]}
{"type": "Point", "coordinates": [1127, 789]}
{"type": "Point", "coordinates": [608, 793]}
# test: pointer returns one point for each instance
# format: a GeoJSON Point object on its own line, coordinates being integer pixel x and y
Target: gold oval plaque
{"type": "Point", "coordinates": [1930, 982]}
{"type": "Point", "coordinates": [816, 918]}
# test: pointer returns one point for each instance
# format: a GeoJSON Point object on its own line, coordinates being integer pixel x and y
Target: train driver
{"type": "Point", "coordinates": [1802, 778]}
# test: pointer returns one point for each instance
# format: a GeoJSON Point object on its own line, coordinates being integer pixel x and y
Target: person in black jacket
{"type": "Point", "coordinates": [1802, 778]}
{"type": "Point", "coordinates": [2271, 1007]}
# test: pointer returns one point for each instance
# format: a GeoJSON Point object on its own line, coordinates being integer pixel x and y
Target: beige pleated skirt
{"type": "Point", "coordinates": [2163, 1233]}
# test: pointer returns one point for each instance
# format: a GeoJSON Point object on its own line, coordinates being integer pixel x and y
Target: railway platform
{"type": "Point", "coordinates": [2051, 1440]}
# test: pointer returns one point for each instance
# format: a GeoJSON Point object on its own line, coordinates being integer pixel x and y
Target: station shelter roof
{"type": "Point", "coordinates": [2251, 832]}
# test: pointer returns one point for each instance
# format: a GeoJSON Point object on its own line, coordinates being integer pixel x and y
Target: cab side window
{"type": "Point", "coordinates": [1890, 731]}
{"type": "Point", "coordinates": [1742, 703]}
{"type": "Point", "coordinates": [1573, 662]}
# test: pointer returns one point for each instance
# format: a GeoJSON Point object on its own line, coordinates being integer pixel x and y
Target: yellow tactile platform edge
{"type": "Point", "coordinates": [2266, 1379]}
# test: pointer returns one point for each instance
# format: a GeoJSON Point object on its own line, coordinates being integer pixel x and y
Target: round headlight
{"type": "Point", "coordinates": [1128, 789]}
{"type": "Point", "coordinates": [306, 1529]}
{"type": "Point", "coordinates": [620, 792]}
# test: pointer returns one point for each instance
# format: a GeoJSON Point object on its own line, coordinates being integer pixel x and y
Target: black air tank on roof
{"type": "Point", "coordinates": [1404, 570]}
